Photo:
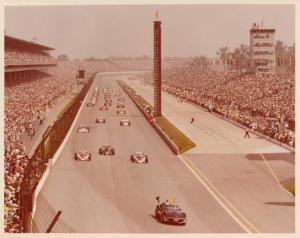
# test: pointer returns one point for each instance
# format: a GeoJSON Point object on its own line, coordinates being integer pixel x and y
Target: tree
{"type": "Point", "coordinates": [285, 56]}
{"type": "Point", "coordinates": [236, 56]}
{"type": "Point", "coordinates": [291, 57]}
{"type": "Point", "coordinates": [239, 58]}
{"type": "Point", "coordinates": [280, 52]}
{"type": "Point", "coordinates": [200, 61]}
{"type": "Point", "coordinates": [244, 51]}
{"type": "Point", "coordinates": [62, 58]}
{"type": "Point", "coordinates": [223, 53]}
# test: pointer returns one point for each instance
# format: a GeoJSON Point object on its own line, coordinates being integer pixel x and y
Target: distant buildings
{"type": "Point", "coordinates": [262, 50]}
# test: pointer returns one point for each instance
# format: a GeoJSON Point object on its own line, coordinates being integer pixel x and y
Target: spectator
{"type": "Point", "coordinates": [255, 101]}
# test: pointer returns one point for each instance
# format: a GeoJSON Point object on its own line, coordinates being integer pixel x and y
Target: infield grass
{"type": "Point", "coordinates": [181, 140]}
{"type": "Point", "coordinates": [289, 185]}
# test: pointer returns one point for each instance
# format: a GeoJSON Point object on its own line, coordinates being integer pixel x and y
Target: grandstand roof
{"type": "Point", "coordinates": [12, 41]}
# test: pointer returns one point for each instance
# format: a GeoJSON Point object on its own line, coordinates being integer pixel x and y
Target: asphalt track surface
{"type": "Point", "coordinates": [211, 134]}
{"type": "Point", "coordinates": [246, 172]}
{"type": "Point", "coordinates": [112, 195]}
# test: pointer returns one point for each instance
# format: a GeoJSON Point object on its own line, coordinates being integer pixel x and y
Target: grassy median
{"type": "Point", "coordinates": [289, 185]}
{"type": "Point", "coordinates": [180, 139]}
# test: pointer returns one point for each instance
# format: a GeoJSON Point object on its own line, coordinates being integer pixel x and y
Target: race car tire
{"type": "Point", "coordinates": [164, 218]}
{"type": "Point", "coordinates": [161, 219]}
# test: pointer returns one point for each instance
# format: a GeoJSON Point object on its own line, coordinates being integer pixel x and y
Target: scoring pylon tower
{"type": "Point", "coordinates": [157, 67]}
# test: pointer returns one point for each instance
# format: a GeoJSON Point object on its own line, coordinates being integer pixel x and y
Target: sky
{"type": "Point", "coordinates": [127, 30]}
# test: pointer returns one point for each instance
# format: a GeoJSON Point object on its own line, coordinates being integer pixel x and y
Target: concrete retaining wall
{"type": "Point", "coordinates": [54, 159]}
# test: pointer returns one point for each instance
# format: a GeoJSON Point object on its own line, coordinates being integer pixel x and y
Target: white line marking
{"type": "Point", "coordinates": [274, 175]}
{"type": "Point", "coordinates": [62, 146]}
{"type": "Point", "coordinates": [269, 167]}
{"type": "Point", "coordinates": [218, 199]}
{"type": "Point", "coordinates": [58, 152]}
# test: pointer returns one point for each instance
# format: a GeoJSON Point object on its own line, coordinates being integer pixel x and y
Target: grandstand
{"type": "Point", "coordinates": [25, 60]}
{"type": "Point", "coordinates": [265, 104]}
{"type": "Point", "coordinates": [26, 98]}
{"type": "Point", "coordinates": [34, 85]}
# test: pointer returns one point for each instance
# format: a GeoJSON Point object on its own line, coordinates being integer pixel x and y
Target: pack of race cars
{"type": "Point", "coordinates": [168, 213]}
{"type": "Point", "coordinates": [93, 100]}
{"type": "Point", "coordinates": [83, 155]}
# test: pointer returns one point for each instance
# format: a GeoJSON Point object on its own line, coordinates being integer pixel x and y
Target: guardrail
{"type": "Point", "coordinates": [38, 163]}
{"type": "Point", "coordinates": [152, 122]}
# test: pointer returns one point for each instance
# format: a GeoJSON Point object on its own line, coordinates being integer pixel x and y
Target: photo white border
{"type": "Point", "coordinates": [4, 3]}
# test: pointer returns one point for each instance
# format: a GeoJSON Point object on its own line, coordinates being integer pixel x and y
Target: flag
{"type": "Point", "coordinates": [157, 199]}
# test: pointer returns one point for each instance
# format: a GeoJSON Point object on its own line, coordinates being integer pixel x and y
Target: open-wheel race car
{"type": "Point", "coordinates": [100, 120]}
{"type": "Point", "coordinates": [103, 108]}
{"type": "Point", "coordinates": [121, 111]}
{"type": "Point", "coordinates": [121, 106]}
{"type": "Point", "coordinates": [139, 157]}
{"type": "Point", "coordinates": [83, 155]}
{"type": "Point", "coordinates": [105, 90]}
{"type": "Point", "coordinates": [170, 213]}
{"type": "Point", "coordinates": [121, 100]}
{"type": "Point", "coordinates": [107, 96]}
{"type": "Point", "coordinates": [125, 123]}
{"type": "Point", "coordinates": [91, 103]}
{"type": "Point", "coordinates": [106, 150]}
{"type": "Point", "coordinates": [83, 129]}
{"type": "Point", "coordinates": [107, 103]}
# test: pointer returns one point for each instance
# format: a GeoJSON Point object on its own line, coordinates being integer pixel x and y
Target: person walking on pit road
{"type": "Point", "coordinates": [192, 120]}
{"type": "Point", "coordinates": [247, 133]}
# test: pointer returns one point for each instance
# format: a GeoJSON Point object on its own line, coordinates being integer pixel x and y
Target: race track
{"type": "Point", "coordinates": [247, 172]}
{"type": "Point", "coordinates": [112, 195]}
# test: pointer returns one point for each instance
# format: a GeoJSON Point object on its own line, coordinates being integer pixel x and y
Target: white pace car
{"type": "Point", "coordinates": [83, 155]}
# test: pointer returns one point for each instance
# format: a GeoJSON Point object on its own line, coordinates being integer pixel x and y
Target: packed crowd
{"type": "Point", "coordinates": [265, 103]}
{"type": "Point", "coordinates": [16, 57]}
{"type": "Point", "coordinates": [24, 104]}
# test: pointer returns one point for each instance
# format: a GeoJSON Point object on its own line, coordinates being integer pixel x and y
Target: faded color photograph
{"type": "Point", "coordinates": [149, 119]}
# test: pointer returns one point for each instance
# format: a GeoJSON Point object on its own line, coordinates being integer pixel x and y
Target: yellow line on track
{"type": "Point", "coordinates": [269, 167]}
{"type": "Point", "coordinates": [238, 217]}
{"type": "Point", "coordinates": [274, 175]}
